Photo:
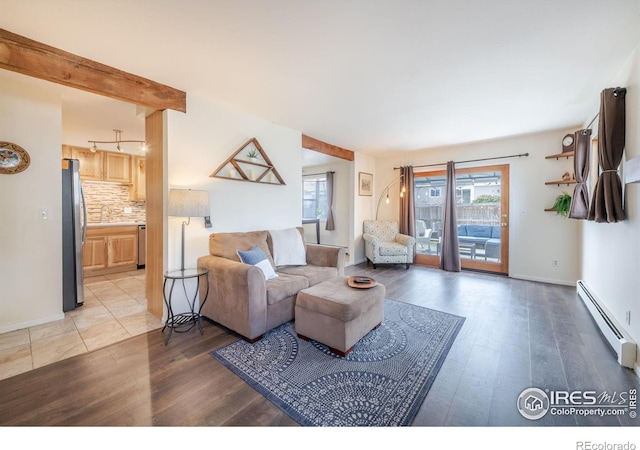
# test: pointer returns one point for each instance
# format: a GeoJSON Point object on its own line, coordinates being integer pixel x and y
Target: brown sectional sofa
{"type": "Point", "coordinates": [239, 296]}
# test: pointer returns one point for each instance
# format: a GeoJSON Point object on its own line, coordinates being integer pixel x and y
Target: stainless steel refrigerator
{"type": "Point", "coordinates": [74, 232]}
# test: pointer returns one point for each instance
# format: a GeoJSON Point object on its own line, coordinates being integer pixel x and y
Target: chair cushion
{"type": "Point", "coordinates": [495, 232]}
{"type": "Point", "coordinates": [392, 249]}
{"type": "Point", "coordinates": [385, 230]}
{"type": "Point", "coordinates": [462, 230]}
{"type": "Point", "coordinates": [483, 231]}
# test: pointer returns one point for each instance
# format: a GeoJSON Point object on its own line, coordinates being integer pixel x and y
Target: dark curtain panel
{"type": "Point", "coordinates": [330, 224]}
{"type": "Point", "coordinates": [450, 256]}
{"type": "Point", "coordinates": [580, 200]}
{"type": "Point", "coordinates": [607, 197]}
{"type": "Point", "coordinates": [407, 203]}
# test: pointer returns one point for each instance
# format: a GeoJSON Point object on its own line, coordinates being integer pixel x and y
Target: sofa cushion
{"type": "Point", "coordinates": [256, 257]}
{"type": "Point", "coordinates": [284, 286]}
{"type": "Point", "coordinates": [462, 230]}
{"type": "Point", "coordinates": [495, 232]}
{"type": "Point", "coordinates": [483, 231]}
{"type": "Point", "coordinates": [288, 247]}
{"type": "Point", "coordinates": [315, 274]}
{"type": "Point", "coordinates": [226, 245]}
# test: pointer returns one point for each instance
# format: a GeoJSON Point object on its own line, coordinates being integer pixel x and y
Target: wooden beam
{"type": "Point", "coordinates": [155, 183]}
{"type": "Point", "coordinates": [23, 55]}
{"type": "Point", "coordinates": [328, 149]}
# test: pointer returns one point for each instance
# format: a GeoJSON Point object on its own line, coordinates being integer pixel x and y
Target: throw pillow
{"type": "Point", "coordinates": [256, 257]}
{"type": "Point", "coordinates": [288, 248]}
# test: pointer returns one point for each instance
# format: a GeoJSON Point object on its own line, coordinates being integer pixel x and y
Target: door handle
{"type": "Point", "coordinates": [504, 224]}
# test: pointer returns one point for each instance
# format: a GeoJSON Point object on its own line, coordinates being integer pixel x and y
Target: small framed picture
{"type": "Point", "coordinates": [365, 183]}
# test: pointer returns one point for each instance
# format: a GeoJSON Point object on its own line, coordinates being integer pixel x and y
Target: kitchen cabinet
{"type": "Point", "coordinates": [91, 164]}
{"type": "Point", "coordinates": [110, 249]}
{"type": "Point", "coordinates": [100, 165]}
{"type": "Point", "coordinates": [117, 167]}
{"type": "Point", "coordinates": [137, 192]}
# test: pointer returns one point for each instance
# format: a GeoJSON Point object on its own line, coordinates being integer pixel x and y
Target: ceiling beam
{"type": "Point", "coordinates": [328, 149]}
{"type": "Point", "coordinates": [28, 57]}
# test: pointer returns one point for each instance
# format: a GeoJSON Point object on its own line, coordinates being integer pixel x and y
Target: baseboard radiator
{"type": "Point", "coordinates": [617, 337]}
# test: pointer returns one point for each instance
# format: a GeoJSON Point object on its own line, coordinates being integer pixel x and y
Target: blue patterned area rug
{"type": "Point", "coordinates": [382, 382]}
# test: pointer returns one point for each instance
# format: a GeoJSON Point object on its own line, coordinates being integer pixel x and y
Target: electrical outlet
{"type": "Point", "coordinates": [127, 210]}
{"type": "Point", "coordinates": [627, 317]}
{"type": "Point", "coordinates": [554, 263]}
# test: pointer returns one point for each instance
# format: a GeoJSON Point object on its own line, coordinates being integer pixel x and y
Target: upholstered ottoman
{"type": "Point", "coordinates": [338, 315]}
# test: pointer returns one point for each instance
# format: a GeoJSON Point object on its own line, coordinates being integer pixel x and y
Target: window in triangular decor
{"type": "Point", "coordinates": [249, 163]}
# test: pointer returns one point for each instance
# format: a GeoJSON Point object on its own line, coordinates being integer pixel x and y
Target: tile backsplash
{"type": "Point", "coordinates": [116, 198]}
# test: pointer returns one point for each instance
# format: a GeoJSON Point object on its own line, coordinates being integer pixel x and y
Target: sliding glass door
{"type": "Point", "coordinates": [482, 199]}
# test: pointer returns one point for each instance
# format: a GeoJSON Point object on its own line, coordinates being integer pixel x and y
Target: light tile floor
{"type": "Point", "coordinates": [114, 309]}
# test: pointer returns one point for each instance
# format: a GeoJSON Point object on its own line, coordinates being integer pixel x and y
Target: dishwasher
{"type": "Point", "coordinates": [142, 246]}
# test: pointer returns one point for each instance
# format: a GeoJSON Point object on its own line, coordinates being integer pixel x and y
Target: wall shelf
{"type": "Point", "coordinates": [559, 182]}
{"type": "Point", "coordinates": [561, 155]}
{"type": "Point", "coordinates": [253, 170]}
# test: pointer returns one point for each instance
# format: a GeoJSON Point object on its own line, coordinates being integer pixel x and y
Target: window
{"type": "Point", "coordinates": [314, 197]}
{"type": "Point", "coordinates": [434, 192]}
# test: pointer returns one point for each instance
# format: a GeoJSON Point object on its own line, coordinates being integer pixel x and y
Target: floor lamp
{"type": "Point", "coordinates": [385, 192]}
{"type": "Point", "coordinates": [188, 203]}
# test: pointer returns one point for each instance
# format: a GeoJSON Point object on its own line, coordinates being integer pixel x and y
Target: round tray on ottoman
{"type": "Point", "coordinates": [360, 282]}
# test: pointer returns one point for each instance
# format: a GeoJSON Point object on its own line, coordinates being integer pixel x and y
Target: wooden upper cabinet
{"type": "Point", "coordinates": [138, 178]}
{"type": "Point", "coordinates": [117, 167]}
{"type": "Point", "coordinates": [91, 164]}
{"type": "Point", "coordinates": [100, 165]}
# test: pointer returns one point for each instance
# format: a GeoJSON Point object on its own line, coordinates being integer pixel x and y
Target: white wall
{"type": "Point", "coordinates": [536, 237]}
{"type": "Point", "coordinates": [363, 207]}
{"type": "Point", "coordinates": [30, 249]}
{"type": "Point", "coordinates": [610, 251]}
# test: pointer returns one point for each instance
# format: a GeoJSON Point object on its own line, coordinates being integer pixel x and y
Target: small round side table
{"type": "Point", "coordinates": [184, 322]}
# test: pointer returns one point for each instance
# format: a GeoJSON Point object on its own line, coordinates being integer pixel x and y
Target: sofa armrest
{"type": "Point", "coordinates": [237, 295]}
{"type": "Point", "coordinates": [326, 256]}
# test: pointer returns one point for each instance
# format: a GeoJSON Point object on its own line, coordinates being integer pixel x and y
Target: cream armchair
{"type": "Point", "coordinates": [385, 245]}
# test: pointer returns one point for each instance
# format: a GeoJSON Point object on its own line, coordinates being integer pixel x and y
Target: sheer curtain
{"type": "Point", "coordinates": [407, 202]}
{"type": "Point", "coordinates": [450, 256]}
{"type": "Point", "coordinates": [330, 225]}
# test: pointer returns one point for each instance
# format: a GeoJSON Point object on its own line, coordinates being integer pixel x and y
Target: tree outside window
{"type": "Point", "coordinates": [314, 197]}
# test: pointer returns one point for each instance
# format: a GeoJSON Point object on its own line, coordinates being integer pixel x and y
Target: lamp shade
{"type": "Point", "coordinates": [188, 203]}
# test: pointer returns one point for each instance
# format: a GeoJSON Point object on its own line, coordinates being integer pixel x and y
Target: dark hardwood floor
{"type": "Point", "coordinates": [517, 334]}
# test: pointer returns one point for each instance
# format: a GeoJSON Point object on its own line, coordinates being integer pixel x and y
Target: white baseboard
{"type": "Point", "coordinates": [543, 280]}
{"type": "Point", "coordinates": [31, 323]}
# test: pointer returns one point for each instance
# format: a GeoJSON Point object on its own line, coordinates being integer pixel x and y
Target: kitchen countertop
{"type": "Point", "coordinates": [114, 224]}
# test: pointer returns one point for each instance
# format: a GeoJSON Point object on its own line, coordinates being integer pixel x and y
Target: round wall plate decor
{"type": "Point", "coordinates": [13, 158]}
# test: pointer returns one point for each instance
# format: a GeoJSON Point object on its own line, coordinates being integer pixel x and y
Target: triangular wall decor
{"type": "Point", "coordinates": [249, 163]}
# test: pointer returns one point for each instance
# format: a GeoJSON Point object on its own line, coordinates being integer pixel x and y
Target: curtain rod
{"type": "Point", "coordinates": [469, 160]}
{"type": "Point", "coordinates": [320, 173]}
